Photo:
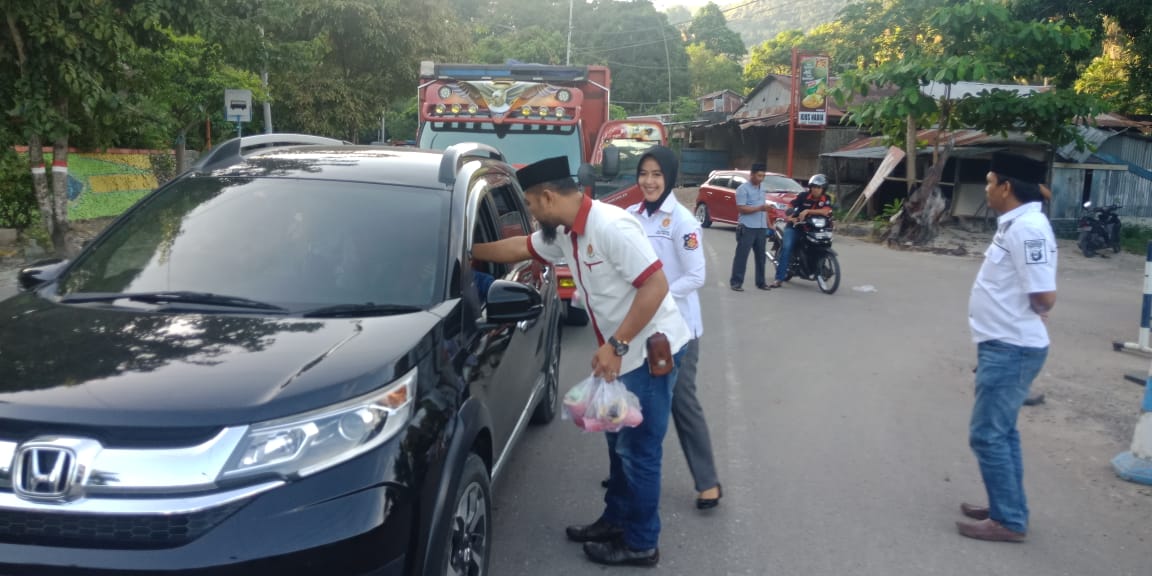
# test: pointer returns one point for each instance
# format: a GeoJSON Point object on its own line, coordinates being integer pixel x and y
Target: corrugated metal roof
{"type": "Point", "coordinates": [877, 152]}
{"type": "Point", "coordinates": [959, 137]}
{"type": "Point", "coordinates": [1093, 136]}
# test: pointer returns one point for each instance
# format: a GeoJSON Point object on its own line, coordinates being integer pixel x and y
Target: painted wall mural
{"type": "Point", "coordinates": [105, 184]}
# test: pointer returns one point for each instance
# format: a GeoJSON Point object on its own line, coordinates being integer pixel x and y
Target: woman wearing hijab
{"type": "Point", "coordinates": [676, 236]}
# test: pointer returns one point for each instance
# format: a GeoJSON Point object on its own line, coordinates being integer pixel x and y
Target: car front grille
{"type": "Point", "coordinates": [135, 532]}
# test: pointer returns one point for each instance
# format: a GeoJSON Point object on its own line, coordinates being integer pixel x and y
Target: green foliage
{"type": "Point", "coordinates": [685, 109]}
{"type": "Point", "coordinates": [712, 71]}
{"type": "Point", "coordinates": [758, 22]}
{"type": "Point", "coordinates": [616, 112]}
{"type": "Point", "coordinates": [1134, 239]}
{"type": "Point", "coordinates": [710, 28]}
{"type": "Point", "coordinates": [402, 120]}
{"type": "Point", "coordinates": [903, 44]}
{"type": "Point", "coordinates": [17, 202]}
{"type": "Point", "coordinates": [883, 220]}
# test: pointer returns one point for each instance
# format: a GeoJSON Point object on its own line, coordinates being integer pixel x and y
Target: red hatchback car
{"type": "Point", "coordinates": [716, 201]}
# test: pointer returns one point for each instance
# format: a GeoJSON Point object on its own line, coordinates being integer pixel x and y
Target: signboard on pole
{"type": "Point", "coordinates": [813, 91]}
{"type": "Point", "coordinates": [238, 105]}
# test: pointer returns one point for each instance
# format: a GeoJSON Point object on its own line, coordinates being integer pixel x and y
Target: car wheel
{"type": "Point", "coordinates": [702, 216]}
{"type": "Point", "coordinates": [470, 538]}
{"type": "Point", "coordinates": [574, 316]}
{"type": "Point", "coordinates": [546, 409]}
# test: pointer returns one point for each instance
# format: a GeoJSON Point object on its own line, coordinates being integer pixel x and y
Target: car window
{"type": "Point", "coordinates": [509, 212]}
{"type": "Point", "coordinates": [296, 243]}
{"type": "Point", "coordinates": [720, 181]}
{"type": "Point", "coordinates": [738, 181]}
{"type": "Point", "coordinates": [781, 184]}
{"type": "Point", "coordinates": [487, 229]}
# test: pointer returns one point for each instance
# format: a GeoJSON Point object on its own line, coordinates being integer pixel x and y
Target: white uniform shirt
{"type": "Point", "coordinates": [675, 235]}
{"type": "Point", "coordinates": [610, 257]}
{"type": "Point", "coordinates": [1021, 260]}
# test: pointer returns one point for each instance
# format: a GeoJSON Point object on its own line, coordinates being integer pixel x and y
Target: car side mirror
{"type": "Point", "coordinates": [510, 302]}
{"type": "Point", "coordinates": [610, 167]}
{"type": "Point", "coordinates": [40, 273]}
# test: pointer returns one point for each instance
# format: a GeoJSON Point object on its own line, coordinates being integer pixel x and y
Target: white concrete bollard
{"type": "Point", "coordinates": [1136, 464]}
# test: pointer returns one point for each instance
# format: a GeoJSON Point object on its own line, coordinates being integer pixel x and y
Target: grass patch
{"type": "Point", "coordinates": [1134, 239]}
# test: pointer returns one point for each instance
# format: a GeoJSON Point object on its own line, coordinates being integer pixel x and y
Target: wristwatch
{"type": "Point", "coordinates": [621, 347]}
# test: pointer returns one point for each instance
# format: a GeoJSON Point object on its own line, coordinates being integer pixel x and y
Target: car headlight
{"type": "Point", "coordinates": [304, 444]}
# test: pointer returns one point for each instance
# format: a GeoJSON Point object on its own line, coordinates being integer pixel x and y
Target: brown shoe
{"type": "Point", "coordinates": [990, 530]}
{"type": "Point", "coordinates": [974, 512]}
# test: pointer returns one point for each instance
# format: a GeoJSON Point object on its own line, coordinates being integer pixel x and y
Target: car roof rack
{"type": "Point", "coordinates": [457, 154]}
{"type": "Point", "coordinates": [233, 150]}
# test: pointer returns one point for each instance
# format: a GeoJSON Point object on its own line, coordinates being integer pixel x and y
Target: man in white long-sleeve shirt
{"type": "Point", "coordinates": [676, 236]}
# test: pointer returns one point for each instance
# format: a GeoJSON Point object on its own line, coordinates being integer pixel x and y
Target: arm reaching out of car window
{"type": "Point", "coordinates": [506, 251]}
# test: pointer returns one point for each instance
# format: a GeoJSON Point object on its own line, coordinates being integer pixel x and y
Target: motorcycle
{"type": "Point", "coordinates": [812, 256]}
{"type": "Point", "coordinates": [1099, 228]}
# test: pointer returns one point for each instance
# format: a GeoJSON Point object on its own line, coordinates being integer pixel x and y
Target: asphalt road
{"type": "Point", "coordinates": [840, 429]}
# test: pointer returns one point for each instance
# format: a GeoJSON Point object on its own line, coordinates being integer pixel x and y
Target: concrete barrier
{"type": "Point", "coordinates": [1135, 465]}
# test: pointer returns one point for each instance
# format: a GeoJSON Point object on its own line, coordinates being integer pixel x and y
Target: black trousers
{"type": "Point", "coordinates": [749, 239]}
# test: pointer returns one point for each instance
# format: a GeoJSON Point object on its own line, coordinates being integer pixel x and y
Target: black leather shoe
{"type": "Point", "coordinates": [617, 553]}
{"type": "Point", "coordinates": [598, 531]}
{"type": "Point", "coordinates": [737, 288]}
{"type": "Point", "coordinates": [706, 503]}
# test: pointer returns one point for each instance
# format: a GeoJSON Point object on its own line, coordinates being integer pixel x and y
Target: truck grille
{"type": "Point", "coordinates": [136, 532]}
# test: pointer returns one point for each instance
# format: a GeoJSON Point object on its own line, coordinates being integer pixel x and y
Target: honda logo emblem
{"type": "Point", "coordinates": [52, 469]}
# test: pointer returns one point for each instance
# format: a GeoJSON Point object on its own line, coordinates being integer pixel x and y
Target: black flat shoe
{"type": "Point", "coordinates": [706, 503]}
{"type": "Point", "coordinates": [617, 553]}
{"type": "Point", "coordinates": [598, 531]}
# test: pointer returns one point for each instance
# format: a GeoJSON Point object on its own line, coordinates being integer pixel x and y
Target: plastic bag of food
{"type": "Point", "coordinates": [576, 401]}
{"type": "Point", "coordinates": [611, 408]}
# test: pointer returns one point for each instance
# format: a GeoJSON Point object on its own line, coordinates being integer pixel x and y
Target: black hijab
{"type": "Point", "coordinates": [668, 165]}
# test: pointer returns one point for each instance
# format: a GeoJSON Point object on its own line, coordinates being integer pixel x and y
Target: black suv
{"type": "Point", "coordinates": [278, 363]}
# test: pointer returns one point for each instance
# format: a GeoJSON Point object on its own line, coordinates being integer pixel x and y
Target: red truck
{"type": "Point", "coordinates": [531, 112]}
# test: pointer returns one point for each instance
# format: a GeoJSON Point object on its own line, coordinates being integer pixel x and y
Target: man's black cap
{"type": "Point", "coordinates": [545, 170]}
{"type": "Point", "coordinates": [759, 167]}
{"type": "Point", "coordinates": [1019, 167]}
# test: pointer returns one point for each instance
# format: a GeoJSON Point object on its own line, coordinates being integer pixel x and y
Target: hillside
{"type": "Point", "coordinates": [761, 20]}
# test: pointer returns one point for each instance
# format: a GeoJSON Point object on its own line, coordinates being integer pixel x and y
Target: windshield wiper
{"type": "Point", "coordinates": [366, 309]}
{"type": "Point", "coordinates": [176, 296]}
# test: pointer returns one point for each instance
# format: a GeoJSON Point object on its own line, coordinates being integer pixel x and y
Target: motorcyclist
{"type": "Point", "coordinates": [814, 202]}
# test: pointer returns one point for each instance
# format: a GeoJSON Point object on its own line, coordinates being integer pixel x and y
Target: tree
{"type": "Point", "coordinates": [905, 44]}
{"type": "Point", "coordinates": [711, 71]}
{"type": "Point", "coordinates": [710, 27]}
{"type": "Point", "coordinates": [1126, 29]}
{"type": "Point", "coordinates": [772, 57]}
{"type": "Point", "coordinates": [64, 61]}
{"type": "Point", "coordinates": [536, 45]}
{"type": "Point", "coordinates": [648, 60]}
{"type": "Point", "coordinates": [185, 80]}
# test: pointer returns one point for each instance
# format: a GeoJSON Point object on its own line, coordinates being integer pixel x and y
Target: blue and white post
{"type": "Point", "coordinates": [1141, 345]}
{"type": "Point", "coordinates": [1135, 465]}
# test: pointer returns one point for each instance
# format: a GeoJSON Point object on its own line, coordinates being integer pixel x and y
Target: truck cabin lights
{"type": "Point", "coordinates": [501, 102]}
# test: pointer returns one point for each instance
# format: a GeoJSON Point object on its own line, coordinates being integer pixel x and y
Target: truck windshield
{"type": "Point", "coordinates": [521, 144]}
{"type": "Point", "coordinates": [630, 153]}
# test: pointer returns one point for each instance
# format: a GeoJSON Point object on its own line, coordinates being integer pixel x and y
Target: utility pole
{"type": "Point", "coordinates": [264, 79]}
{"type": "Point", "coordinates": [568, 51]}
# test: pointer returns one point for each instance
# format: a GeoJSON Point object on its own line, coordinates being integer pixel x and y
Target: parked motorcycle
{"type": "Point", "coordinates": [812, 257]}
{"type": "Point", "coordinates": [1099, 229]}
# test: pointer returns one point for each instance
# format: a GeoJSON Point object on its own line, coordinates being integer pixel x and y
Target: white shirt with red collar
{"type": "Point", "coordinates": [611, 257]}
{"type": "Point", "coordinates": [675, 235]}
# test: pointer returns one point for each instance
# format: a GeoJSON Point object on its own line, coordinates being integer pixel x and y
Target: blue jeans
{"type": "Point", "coordinates": [784, 259]}
{"type": "Point", "coordinates": [635, 456]}
{"type": "Point", "coordinates": [1003, 376]}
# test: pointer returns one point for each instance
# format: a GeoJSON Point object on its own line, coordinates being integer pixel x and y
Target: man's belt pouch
{"type": "Point", "coordinates": [660, 360]}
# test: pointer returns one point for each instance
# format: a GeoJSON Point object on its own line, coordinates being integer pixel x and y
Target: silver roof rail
{"type": "Point", "coordinates": [233, 150]}
{"type": "Point", "coordinates": [457, 154]}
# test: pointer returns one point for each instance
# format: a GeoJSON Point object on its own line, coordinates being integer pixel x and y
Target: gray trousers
{"type": "Point", "coordinates": [688, 417]}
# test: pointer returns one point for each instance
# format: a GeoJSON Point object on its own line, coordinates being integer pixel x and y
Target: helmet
{"type": "Point", "coordinates": [818, 180]}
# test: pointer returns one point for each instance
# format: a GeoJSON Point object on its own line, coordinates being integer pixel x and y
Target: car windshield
{"type": "Point", "coordinates": [781, 184]}
{"type": "Point", "coordinates": [298, 244]}
{"type": "Point", "coordinates": [521, 144]}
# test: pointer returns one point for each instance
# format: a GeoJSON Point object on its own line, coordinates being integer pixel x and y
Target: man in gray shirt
{"type": "Point", "coordinates": [751, 231]}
